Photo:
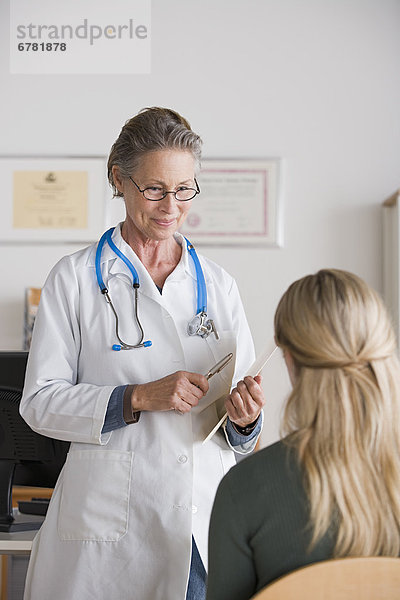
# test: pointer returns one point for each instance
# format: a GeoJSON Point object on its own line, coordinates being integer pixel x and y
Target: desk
{"type": "Point", "coordinates": [18, 543]}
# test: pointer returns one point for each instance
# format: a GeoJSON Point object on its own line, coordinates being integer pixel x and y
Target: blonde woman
{"type": "Point", "coordinates": [331, 487]}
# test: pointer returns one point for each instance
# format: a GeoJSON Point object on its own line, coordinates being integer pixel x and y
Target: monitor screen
{"type": "Point", "coordinates": [26, 457]}
{"type": "Point", "coordinates": [12, 369]}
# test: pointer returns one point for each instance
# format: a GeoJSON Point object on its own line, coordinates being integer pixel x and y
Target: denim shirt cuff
{"type": "Point", "coordinates": [238, 439]}
{"type": "Point", "coordinates": [114, 418]}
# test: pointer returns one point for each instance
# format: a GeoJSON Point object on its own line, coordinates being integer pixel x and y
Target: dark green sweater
{"type": "Point", "coordinates": [258, 529]}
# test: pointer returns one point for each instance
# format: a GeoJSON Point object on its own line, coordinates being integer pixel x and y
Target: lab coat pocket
{"type": "Point", "coordinates": [227, 459]}
{"type": "Point", "coordinates": [95, 495]}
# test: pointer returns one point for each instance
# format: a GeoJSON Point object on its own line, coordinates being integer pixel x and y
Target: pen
{"type": "Point", "coordinates": [214, 370]}
{"type": "Point", "coordinates": [219, 366]}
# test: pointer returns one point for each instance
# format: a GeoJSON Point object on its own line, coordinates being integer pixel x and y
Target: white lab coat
{"type": "Point", "coordinates": [121, 518]}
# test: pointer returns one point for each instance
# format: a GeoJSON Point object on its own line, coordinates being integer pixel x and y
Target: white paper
{"type": "Point", "coordinates": [262, 359]}
{"type": "Point", "coordinates": [254, 370]}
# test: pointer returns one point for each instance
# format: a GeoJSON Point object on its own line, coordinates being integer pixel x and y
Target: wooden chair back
{"type": "Point", "coordinates": [368, 578]}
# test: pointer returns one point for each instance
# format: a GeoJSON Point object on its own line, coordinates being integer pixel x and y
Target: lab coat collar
{"type": "Point", "coordinates": [184, 268]}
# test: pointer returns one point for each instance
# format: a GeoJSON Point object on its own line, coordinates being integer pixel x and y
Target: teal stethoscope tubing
{"type": "Point", "coordinates": [201, 286]}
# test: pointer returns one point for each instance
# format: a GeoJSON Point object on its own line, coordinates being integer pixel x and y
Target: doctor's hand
{"type": "Point", "coordinates": [245, 401]}
{"type": "Point", "coordinates": [179, 391]}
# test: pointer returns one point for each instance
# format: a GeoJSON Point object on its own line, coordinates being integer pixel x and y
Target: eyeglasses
{"type": "Point", "coordinates": [155, 193]}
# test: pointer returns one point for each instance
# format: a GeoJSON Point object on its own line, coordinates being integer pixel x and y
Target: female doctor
{"type": "Point", "coordinates": [125, 339]}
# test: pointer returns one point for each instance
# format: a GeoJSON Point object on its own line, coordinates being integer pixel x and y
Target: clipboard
{"type": "Point", "coordinates": [254, 370]}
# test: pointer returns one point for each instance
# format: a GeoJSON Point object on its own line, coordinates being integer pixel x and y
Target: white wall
{"type": "Point", "coordinates": [314, 82]}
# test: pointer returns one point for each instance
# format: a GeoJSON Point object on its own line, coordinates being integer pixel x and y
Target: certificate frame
{"type": "Point", "coordinates": [239, 204]}
{"type": "Point", "coordinates": [52, 199]}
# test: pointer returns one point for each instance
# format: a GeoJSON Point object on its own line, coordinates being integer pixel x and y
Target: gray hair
{"type": "Point", "coordinates": [150, 130]}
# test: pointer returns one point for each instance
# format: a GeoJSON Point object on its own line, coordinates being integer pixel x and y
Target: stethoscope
{"type": "Point", "coordinates": [198, 325]}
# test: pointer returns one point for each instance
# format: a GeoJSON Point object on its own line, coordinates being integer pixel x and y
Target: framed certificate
{"type": "Point", "coordinates": [52, 199]}
{"type": "Point", "coordinates": [239, 204]}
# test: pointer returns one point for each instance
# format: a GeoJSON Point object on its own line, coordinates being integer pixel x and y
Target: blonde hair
{"type": "Point", "coordinates": [343, 415]}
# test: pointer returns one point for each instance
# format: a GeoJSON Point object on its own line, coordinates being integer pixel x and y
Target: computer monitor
{"type": "Point", "coordinates": [26, 457]}
{"type": "Point", "coordinates": [12, 369]}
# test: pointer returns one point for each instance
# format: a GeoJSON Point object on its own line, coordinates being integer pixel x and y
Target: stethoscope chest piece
{"type": "Point", "coordinates": [202, 326]}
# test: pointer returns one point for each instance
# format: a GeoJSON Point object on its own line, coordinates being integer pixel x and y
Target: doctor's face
{"type": "Point", "coordinates": [169, 170]}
